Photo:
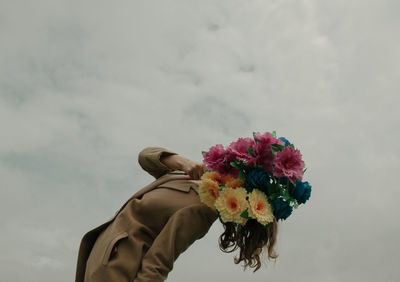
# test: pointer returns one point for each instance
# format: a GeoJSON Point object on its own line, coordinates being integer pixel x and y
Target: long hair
{"type": "Point", "coordinates": [251, 239]}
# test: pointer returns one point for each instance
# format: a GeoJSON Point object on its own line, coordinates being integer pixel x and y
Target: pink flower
{"type": "Point", "coordinates": [262, 156]}
{"type": "Point", "coordinates": [267, 139]}
{"type": "Point", "coordinates": [289, 163]}
{"type": "Point", "coordinates": [262, 150]}
{"type": "Point", "coordinates": [218, 159]}
{"type": "Point", "coordinates": [227, 169]}
{"type": "Point", "coordinates": [214, 157]}
{"type": "Point", "coordinates": [239, 148]}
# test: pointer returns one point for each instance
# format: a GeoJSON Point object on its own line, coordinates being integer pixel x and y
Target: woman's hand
{"type": "Point", "coordinates": [176, 162]}
{"type": "Point", "coordinates": [194, 169]}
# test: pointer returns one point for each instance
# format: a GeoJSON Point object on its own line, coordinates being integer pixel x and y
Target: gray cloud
{"type": "Point", "coordinates": [83, 88]}
{"type": "Point", "coordinates": [216, 114]}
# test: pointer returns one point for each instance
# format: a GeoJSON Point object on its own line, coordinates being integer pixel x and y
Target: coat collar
{"type": "Point", "coordinates": [181, 184]}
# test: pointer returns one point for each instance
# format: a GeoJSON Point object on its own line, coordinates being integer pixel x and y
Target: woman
{"type": "Point", "coordinates": [142, 241]}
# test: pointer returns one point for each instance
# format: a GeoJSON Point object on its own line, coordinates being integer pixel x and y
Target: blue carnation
{"type": "Point", "coordinates": [301, 192]}
{"type": "Point", "coordinates": [281, 208]}
{"type": "Point", "coordinates": [257, 178]}
{"type": "Point", "coordinates": [287, 143]}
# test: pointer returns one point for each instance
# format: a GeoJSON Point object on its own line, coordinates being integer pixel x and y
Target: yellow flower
{"type": "Point", "coordinates": [208, 192]}
{"type": "Point", "coordinates": [226, 180]}
{"type": "Point", "coordinates": [234, 183]}
{"type": "Point", "coordinates": [231, 203]}
{"type": "Point", "coordinates": [260, 209]}
{"type": "Point", "coordinates": [212, 175]}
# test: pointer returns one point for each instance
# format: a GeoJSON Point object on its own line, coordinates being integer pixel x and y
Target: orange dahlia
{"type": "Point", "coordinates": [259, 208]}
{"type": "Point", "coordinates": [231, 203]}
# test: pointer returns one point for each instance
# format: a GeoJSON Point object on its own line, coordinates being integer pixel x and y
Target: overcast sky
{"type": "Point", "coordinates": [85, 85]}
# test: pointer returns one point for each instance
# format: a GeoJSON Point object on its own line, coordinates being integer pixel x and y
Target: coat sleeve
{"type": "Point", "coordinates": [182, 229]}
{"type": "Point", "coordinates": [149, 160]}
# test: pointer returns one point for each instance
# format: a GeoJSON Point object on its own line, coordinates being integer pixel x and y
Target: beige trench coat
{"type": "Point", "coordinates": [150, 230]}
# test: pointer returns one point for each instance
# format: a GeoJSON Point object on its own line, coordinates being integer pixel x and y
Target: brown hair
{"type": "Point", "coordinates": [251, 239]}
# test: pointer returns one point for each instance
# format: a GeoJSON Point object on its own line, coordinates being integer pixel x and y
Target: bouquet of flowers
{"type": "Point", "coordinates": [254, 178]}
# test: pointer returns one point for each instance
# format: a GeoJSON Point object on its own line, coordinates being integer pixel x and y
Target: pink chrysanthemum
{"type": "Point", "coordinates": [267, 139]}
{"type": "Point", "coordinates": [213, 159]}
{"type": "Point", "coordinates": [262, 150]}
{"type": "Point", "coordinates": [239, 148]}
{"type": "Point", "coordinates": [227, 169]}
{"type": "Point", "coordinates": [289, 163]}
{"type": "Point", "coordinates": [218, 159]}
{"type": "Point", "coordinates": [262, 156]}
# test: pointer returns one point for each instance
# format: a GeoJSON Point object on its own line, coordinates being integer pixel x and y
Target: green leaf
{"type": "Point", "coordinates": [203, 152]}
{"type": "Point", "coordinates": [235, 165]}
{"type": "Point", "coordinates": [270, 190]}
{"type": "Point", "coordinates": [286, 194]}
{"type": "Point", "coordinates": [274, 134]}
{"type": "Point", "coordinates": [242, 175]}
{"type": "Point", "coordinates": [292, 146]}
{"type": "Point", "coordinates": [273, 188]}
{"type": "Point", "coordinates": [249, 190]}
{"type": "Point", "coordinates": [254, 136]}
{"type": "Point", "coordinates": [304, 170]}
{"type": "Point", "coordinates": [277, 147]}
{"type": "Point", "coordinates": [273, 196]}
{"type": "Point", "coordinates": [251, 152]}
{"type": "Point", "coordinates": [245, 214]}
{"type": "Point", "coordinates": [267, 225]}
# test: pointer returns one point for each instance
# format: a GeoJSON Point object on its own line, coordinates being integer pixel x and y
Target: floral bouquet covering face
{"type": "Point", "coordinates": [254, 178]}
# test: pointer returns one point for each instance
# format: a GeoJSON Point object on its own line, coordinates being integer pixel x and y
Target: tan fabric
{"type": "Point", "coordinates": [150, 230]}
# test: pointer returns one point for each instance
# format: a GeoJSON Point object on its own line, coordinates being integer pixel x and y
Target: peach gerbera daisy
{"type": "Point", "coordinates": [231, 203]}
{"type": "Point", "coordinates": [260, 209]}
{"type": "Point", "coordinates": [208, 192]}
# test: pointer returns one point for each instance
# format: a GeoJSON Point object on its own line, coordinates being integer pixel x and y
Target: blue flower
{"type": "Point", "coordinates": [257, 178]}
{"type": "Point", "coordinates": [301, 192]}
{"type": "Point", "coordinates": [281, 208]}
{"type": "Point", "coordinates": [287, 143]}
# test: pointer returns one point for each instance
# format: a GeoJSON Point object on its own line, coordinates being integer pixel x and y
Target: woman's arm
{"type": "Point", "coordinates": [149, 160]}
{"type": "Point", "coordinates": [158, 161]}
{"type": "Point", "coordinates": [182, 229]}
{"type": "Point", "coordinates": [176, 162]}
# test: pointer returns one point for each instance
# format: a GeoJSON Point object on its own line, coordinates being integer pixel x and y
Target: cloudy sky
{"type": "Point", "coordinates": [85, 85]}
